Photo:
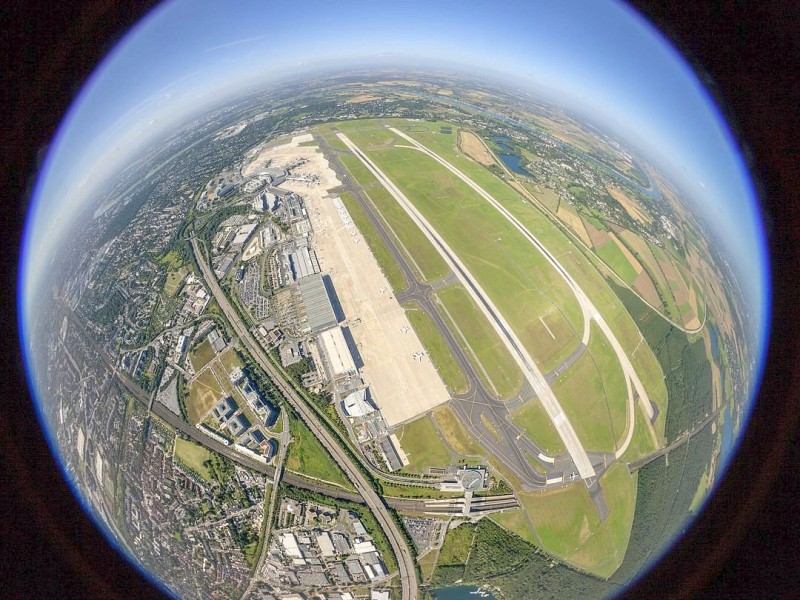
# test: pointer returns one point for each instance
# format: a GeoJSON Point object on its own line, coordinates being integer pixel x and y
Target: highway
{"type": "Point", "coordinates": [518, 351]}
{"type": "Point", "coordinates": [405, 562]}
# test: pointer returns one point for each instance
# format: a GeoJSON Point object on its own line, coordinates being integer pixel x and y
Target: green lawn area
{"type": "Point", "coordinates": [515, 521]}
{"type": "Point", "coordinates": [171, 260]}
{"type": "Point", "coordinates": [440, 354]}
{"type": "Point", "coordinates": [614, 388]}
{"type": "Point", "coordinates": [193, 456]}
{"type": "Point", "coordinates": [611, 254]}
{"type": "Point", "coordinates": [308, 457]}
{"type": "Point", "coordinates": [456, 435]}
{"type": "Point", "coordinates": [642, 442]}
{"type": "Point", "coordinates": [494, 362]}
{"type": "Point", "coordinates": [423, 446]}
{"type": "Point", "coordinates": [533, 420]}
{"type": "Point", "coordinates": [427, 563]}
{"type": "Point", "coordinates": [204, 392]}
{"type": "Point", "coordinates": [516, 277]}
{"type": "Point", "coordinates": [230, 359]}
{"type": "Point", "coordinates": [700, 494]}
{"type": "Point", "coordinates": [581, 394]}
{"type": "Point", "coordinates": [202, 354]}
{"type": "Point", "coordinates": [441, 201]}
{"type": "Point", "coordinates": [379, 249]}
{"type": "Point", "coordinates": [568, 526]}
{"type": "Point", "coordinates": [174, 279]}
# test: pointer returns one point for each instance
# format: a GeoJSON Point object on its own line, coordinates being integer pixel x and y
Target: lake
{"type": "Point", "coordinates": [510, 160]}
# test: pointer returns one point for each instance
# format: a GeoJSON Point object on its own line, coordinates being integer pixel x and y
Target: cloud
{"type": "Point", "coordinates": [235, 43]}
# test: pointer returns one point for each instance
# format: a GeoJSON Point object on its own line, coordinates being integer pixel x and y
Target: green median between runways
{"type": "Point", "coordinates": [481, 343]}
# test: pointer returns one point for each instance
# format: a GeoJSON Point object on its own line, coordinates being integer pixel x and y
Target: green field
{"type": "Point", "coordinates": [423, 446]}
{"type": "Point", "coordinates": [515, 521]}
{"type": "Point", "coordinates": [533, 420]}
{"type": "Point", "coordinates": [457, 543]}
{"type": "Point", "coordinates": [427, 563]}
{"type": "Point", "coordinates": [202, 354]}
{"type": "Point", "coordinates": [611, 254]}
{"type": "Point", "coordinates": [568, 526]}
{"type": "Point", "coordinates": [455, 435]}
{"type": "Point", "coordinates": [595, 286]}
{"type": "Point", "coordinates": [480, 341]}
{"type": "Point", "coordinates": [581, 393]}
{"type": "Point", "coordinates": [437, 349]}
{"type": "Point", "coordinates": [230, 359]}
{"type": "Point", "coordinates": [308, 457]}
{"type": "Point", "coordinates": [193, 456]}
{"type": "Point", "coordinates": [173, 282]}
{"type": "Point", "coordinates": [379, 249]}
{"type": "Point", "coordinates": [517, 279]}
{"type": "Point", "coordinates": [204, 392]}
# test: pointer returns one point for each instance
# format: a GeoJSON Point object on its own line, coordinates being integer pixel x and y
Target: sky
{"type": "Point", "coordinates": [188, 55]}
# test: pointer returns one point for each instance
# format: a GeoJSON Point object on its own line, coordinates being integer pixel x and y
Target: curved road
{"type": "Point", "coordinates": [405, 562]}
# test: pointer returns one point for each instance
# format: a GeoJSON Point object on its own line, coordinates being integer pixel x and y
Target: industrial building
{"type": "Point", "coordinates": [276, 175]}
{"type": "Point", "coordinates": [392, 452]}
{"type": "Point", "coordinates": [216, 340]}
{"type": "Point", "coordinates": [225, 409]}
{"type": "Point", "coordinates": [243, 234]}
{"type": "Point", "coordinates": [319, 310]}
{"type": "Point", "coordinates": [340, 360]}
{"type": "Point", "coordinates": [303, 263]}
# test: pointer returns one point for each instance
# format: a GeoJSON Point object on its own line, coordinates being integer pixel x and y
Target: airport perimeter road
{"type": "Point", "coordinates": [529, 368]}
{"type": "Point", "coordinates": [405, 563]}
{"type": "Point", "coordinates": [588, 308]}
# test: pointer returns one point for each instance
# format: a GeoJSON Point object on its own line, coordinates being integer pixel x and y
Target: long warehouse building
{"type": "Point", "coordinates": [317, 303]}
{"type": "Point", "coordinates": [339, 356]}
